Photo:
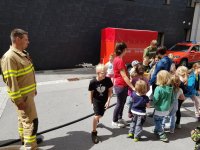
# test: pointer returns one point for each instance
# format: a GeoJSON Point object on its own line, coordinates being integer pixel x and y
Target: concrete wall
{"type": "Point", "coordinates": [195, 35]}
{"type": "Point", "coordinates": [64, 33]}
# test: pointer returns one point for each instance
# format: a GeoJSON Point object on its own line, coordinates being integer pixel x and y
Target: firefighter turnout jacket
{"type": "Point", "coordinates": [18, 73]}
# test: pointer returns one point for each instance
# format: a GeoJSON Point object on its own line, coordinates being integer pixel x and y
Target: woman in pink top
{"type": "Point", "coordinates": [121, 83]}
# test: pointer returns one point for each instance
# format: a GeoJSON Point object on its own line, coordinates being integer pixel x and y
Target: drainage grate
{"type": "Point", "coordinates": [73, 79]}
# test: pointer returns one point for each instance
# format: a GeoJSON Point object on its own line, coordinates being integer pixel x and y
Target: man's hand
{"type": "Point", "coordinates": [21, 105]}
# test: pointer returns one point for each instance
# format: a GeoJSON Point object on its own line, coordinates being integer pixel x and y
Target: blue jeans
{"type": "Point", "coordinates": [158, 121]}
{"type": "Point", "coordinates": [121, 93]}
{"type": "Point", "coordinates": [172, 115]}
{"type": "Point", "coordinates": [137, 124]}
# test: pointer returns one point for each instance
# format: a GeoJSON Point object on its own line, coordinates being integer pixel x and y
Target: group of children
{"type": "Point", "coordinates": [172, 88]}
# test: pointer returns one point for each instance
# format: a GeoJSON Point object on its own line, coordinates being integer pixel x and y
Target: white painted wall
{"type": "Point", "coordinates": [195, 34]}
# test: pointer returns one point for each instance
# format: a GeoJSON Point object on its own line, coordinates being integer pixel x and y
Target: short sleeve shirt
{"type": "Point", "coordinates": [118, 65]}
{"type": "Point", "coordinates": [150, 52]}
{"type": "Point", "coordinates": [100, 88]}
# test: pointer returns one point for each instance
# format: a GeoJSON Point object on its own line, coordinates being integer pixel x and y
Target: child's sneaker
{"type": "Point", "coordinates": [95, 138]}
{"type": "Point", "coordinates": [136, 139]}
{"type": "Point", "coordinates": [171, 130]}
{"type": "Point", "coordinates": [131, 135]}
{"type": "Point", "coordinates": [163, 137]}
{"type": "Point", "coordinates": [118, 124]}
{"type": "Point", "coordinates": [123, 122]}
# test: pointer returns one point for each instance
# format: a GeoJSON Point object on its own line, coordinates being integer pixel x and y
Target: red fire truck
{"type": "Point", "coordinates": [136, 40]}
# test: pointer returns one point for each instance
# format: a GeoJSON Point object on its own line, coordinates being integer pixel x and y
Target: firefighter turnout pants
{"type": "Point", "coordinates": [28, 124]}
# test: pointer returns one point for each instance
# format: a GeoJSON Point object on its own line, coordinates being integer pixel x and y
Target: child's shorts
{"type": "Point", "coordinates": [99, 107]}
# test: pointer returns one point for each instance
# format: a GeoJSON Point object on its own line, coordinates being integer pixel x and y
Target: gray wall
{"type": "Point", "coordinates": [64, 33]}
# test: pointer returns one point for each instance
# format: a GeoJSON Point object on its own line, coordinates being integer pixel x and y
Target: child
{"type": "Point", "coordinates": [178, 92]}
{"type": "Point", "coordinates": [195, 135]}
{"type": "Point", "coordinates": [133, 64]}
{"type": "Point", "coordinates": [109, 67]}
{"type": "Point", "coordinates": [192, 88]}
{"type": "Point", "coordinates": [100, 94]}
{"type": "Point", "coordinates": [135, 76]}
{"type": "Point", "coordinates": [173, 65]}
{"type": "Point", "coordinates": [138, 109]}
{"type": "Point", "coordinates": [153, 65]}
{"type": "Point", "coordinates": [162, 100]}
{"type": "Point", "coordinates": [146, 62]}
{"type": "Point", "coordinates": [132, 73]}
{"type": "Point", "coordinates": [182, 73]}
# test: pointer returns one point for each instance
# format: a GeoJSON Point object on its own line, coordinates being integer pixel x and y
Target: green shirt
{"type": "Point", "coordinates": [163, 98]}
{"type": "Point", "coordinates": [149, 52]}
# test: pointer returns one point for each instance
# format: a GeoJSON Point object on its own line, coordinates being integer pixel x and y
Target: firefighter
{"type": "Point", "coordinates": [150, 51]}
{"type": "Point", "coordinates": [18, 74]}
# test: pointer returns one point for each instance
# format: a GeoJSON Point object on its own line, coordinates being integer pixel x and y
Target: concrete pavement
{"type": "Point", "coordinates": [60, 101]}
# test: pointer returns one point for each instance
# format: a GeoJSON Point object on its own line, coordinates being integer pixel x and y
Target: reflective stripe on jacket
{"type": "Point", "coordinates": [18, 73]}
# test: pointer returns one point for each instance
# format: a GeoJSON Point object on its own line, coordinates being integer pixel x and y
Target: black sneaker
{"type": "Point", "coordinates": [95, 138]}
{"type": "Point", "coordinates": [39, 140]}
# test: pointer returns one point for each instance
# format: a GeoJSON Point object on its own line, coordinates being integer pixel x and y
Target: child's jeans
{"type": "Point", "coordinates": [136, 125]}
{"type": "Point", "coordinates": [172, 115]}
{"type": "Point", "coordinates": [158, 120]}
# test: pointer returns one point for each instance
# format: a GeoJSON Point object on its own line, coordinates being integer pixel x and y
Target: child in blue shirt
{"type": "Point", "coordinates": [193, 87]}
{"type": "Point", "coordinates": [137, 109]}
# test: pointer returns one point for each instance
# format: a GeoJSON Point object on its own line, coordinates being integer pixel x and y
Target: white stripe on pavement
{"type": "Point", "coordinates": [52, 82]}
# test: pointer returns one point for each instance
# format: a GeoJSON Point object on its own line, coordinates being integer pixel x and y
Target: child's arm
{"type": "Point", "coordinates": [156, 96]}
{"type": "Point", "coordinates": [181, 95]}
{"type": "Point", "coordinates": [109, 97]}
{"type": "Point", "coordinates": [148, 102]}
{"type": "Point", "coordinates": [91, 96]}
{"type": "Point", "coordinates": [148, 105]}
{"type": "Point", "coordinates": [130, 115]}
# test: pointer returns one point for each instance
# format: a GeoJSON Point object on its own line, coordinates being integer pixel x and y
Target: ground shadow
{"type": "Point", "coordinates": [184, 132]}
{"type": "Point", "coordinates": [74, 140]}
{"type": "Point", "coordinates": [81, 140]}
{"type": "Point", "coordinates": [145, 135]}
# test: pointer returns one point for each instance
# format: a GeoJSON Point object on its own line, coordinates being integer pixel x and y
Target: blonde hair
{"type": "Point", "coordinates": [163, 78]}
{"type": "Point", "coordinates": [111, 55]}
{"type": "Point", "coordinates": [175, 82]}
{"type": "Point", "coordinates": [141, 87]}
{"type": "Point", "coordinates": [196, 66]}
{"type": "Point", "coordinates": [100, 67]}
{"type": "Point", "coordinates": [181, 70]}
